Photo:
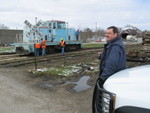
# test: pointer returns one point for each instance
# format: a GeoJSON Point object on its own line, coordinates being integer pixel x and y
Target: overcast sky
{"type": "Point", "coordinates": [79, 13]}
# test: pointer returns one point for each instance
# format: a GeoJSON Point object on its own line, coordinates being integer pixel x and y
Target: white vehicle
{"type": "Point", "coordinates": [127, 91]}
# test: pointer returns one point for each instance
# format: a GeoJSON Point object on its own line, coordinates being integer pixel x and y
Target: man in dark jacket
{"type": "Point", "coordinates": [113, 58]}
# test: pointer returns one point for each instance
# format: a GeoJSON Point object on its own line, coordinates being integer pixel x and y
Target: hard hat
{"type": "Point", "coordinates": [62, 39]}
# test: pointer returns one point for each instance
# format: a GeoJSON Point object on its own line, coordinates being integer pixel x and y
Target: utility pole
{"type": "Point", "coordinates": [34, 47]}
{"type": "Point", "coordinates": [96, 30]}
{"type": "Point", "coordinates": [35, 20]}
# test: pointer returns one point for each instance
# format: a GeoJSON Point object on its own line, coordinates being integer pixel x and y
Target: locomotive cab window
{"type": "Point", "coordinates": [50, 24]}
{"type": "Point", "coordinates": [45, 37]}
{"type": "Point", "coordinates": [54, 26]}
{"type": "Point", "coordinates": [61, 25]}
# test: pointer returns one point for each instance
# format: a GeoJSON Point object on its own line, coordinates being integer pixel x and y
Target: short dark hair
{"type": "Point", "coordinates": [115, 29]}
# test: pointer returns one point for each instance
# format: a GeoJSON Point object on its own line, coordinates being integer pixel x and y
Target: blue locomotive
{"type": "Point", "coordinates": [52, 31]}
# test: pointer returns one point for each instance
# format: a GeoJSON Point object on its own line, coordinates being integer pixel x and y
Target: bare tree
{"type": "Point", "coordinates": [85, 34]}
{"type": "Point", "coordinates": [88, 33]}
{"type": "Point", "coordinates": [2, 26]}
{"type": "Point", "coordinates": [101, 32]}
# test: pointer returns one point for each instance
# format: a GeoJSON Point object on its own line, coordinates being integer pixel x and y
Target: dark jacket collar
{"type": "Point", "coordinates": [114, 41]}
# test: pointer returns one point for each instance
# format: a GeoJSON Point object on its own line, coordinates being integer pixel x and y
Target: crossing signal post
{"type": "Point", "coordinates": [34, 32]}
{"type": "Point", "coordinates": [35, 58]}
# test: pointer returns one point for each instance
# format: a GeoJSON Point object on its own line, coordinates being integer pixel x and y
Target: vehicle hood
{"type": "Point", "coordinates": [131, 86]}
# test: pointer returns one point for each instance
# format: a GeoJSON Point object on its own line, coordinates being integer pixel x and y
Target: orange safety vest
{"type": "Point", "coordinates": [43, 44]}
{"type": "Point", "coordinates": [37, 45]}
{"type": "Point", "coordinates": [44, 47]}
{"type": "Point", "coordinates": [62, 43]}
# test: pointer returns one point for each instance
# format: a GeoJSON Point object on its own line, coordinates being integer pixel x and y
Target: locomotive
{"type": "Point", "coordinates": [52, 31]}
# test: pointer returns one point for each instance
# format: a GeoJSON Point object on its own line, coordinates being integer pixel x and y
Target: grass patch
{"type": "Point", "coordinates": [7, 49]}
{"type": "Point", "coordinates": [88, 68]}
{"type": "Point", "coordinates": [93, 45]}
{"type": "Point", "coordinates": [57, 71]}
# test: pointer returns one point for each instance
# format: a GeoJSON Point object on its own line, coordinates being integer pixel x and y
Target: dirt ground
{"type": "Point", "coordinates": [23, 93]}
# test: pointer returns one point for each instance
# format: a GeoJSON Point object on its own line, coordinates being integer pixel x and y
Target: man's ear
{"type": "Point", "coordinates": [116, 34]}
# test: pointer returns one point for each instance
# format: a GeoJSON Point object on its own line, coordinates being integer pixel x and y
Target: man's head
{"type": "Point", "coordinates": [111, 33]}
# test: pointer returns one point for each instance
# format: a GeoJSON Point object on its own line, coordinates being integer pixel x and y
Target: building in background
{"type": "Point", "coordinates": [10, 36]}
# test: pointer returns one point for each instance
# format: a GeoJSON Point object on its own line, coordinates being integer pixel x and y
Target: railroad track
{"type": "Point", "coordinates": [7, 53]}
{"type": "Point", "coordinates": [16, 60]}
{"type": "Point", "coordinates": [12, 60]}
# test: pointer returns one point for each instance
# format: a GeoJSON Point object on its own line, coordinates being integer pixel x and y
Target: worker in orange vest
{"type": "Point", "coordinates": [62, 45]}
{"type": "Point", "coordinates": [43, 45]}
{"type": "Point", "coordinates": [37, 48]}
